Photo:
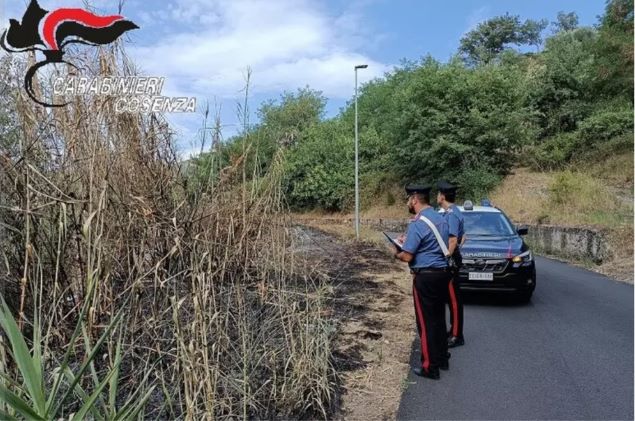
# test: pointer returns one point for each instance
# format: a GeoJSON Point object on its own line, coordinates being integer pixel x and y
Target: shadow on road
{"type": "Point", "coordinates": [497, 299]}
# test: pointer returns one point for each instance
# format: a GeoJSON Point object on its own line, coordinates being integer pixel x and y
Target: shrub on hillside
{"type": "Point", "coordinates": [451, 115]}
{"type": "Point", "coordinates": [583, 194]}
{"type": "Point", "coordinates": [565, 187]}
{"type": "Point", "coordinates": [476, 182]}
{"type": "Point", "coordinates": [319, 171]}
{"type": "Point", "coordinates": [553, 153]}
{"type": "Point", "coordinates": [606, 124]}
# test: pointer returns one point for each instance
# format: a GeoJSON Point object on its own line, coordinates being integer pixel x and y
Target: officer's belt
{"type": "Point", "coordinates": [424, 270]}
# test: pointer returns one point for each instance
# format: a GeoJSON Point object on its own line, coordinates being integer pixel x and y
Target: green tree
{"type": "Point", "coordinates": [319, 170]}
{"type": "Point", "coordinates": [287, 119]}
{"type": "Point", "coordinates": [565, 22]}
{"type": "Point", "coordinates": [614, 51]}
{"type": "Point", "coordinates": [560, 81]}
{"type": "Point", "coordinates": [484, 43]}
{"type": "Point", "coordinates": [282, 124]}
{"type": "Point", "coordinates": [455, 118]}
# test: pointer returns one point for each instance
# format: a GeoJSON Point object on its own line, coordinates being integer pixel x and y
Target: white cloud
{"type": "Point", "coordinates": [203, 48]}
{"type": "Point", "coordinates": [287, 44]}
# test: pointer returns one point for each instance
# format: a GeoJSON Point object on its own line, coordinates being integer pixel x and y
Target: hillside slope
{"type": "Point", "coordinates": [598, 194]}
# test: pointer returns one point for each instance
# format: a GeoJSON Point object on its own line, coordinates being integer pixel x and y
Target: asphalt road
{"type": "Point", "coordinates": [566, 355]}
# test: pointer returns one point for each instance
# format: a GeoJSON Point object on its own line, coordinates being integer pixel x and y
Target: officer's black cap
{"type": "Point", "coordinates": [445, 187]}
{"type": "Point", "coordinates": [415, 188]}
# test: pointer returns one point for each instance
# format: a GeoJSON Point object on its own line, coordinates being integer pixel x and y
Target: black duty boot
{"type": "Point", "coordinates": [454, 341]}
{"type": "Point", "coordinates": [430, 374]}
{"type": "Point", "coordinates": [445, 365]}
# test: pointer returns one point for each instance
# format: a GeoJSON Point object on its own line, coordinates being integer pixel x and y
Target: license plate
{"type": "Point", "coordinates": [482, 276]}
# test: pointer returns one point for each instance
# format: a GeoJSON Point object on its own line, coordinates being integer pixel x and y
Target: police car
{"type": "Point", "coordinates": [495, 257]}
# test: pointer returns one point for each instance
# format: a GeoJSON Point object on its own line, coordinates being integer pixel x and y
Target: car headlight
{"type": "Point", "coordinates": [525, 257]}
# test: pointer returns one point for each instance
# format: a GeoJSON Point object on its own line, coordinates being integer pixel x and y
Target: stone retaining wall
{"type": "Point", "coordinates": [569, 242]}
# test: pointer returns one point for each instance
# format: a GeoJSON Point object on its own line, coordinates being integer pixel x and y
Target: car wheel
{"type": "Point", "coordinates": [525, 296]}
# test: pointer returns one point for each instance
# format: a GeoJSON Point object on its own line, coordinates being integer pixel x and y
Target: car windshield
{"type": "Point", "coordinates": [487, 223]}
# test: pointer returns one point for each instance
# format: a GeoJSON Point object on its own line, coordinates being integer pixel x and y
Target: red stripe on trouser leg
{"type": "Point", "coordinates": [455, 309]}
{"type": "Point", "coordinates": [422, 334]}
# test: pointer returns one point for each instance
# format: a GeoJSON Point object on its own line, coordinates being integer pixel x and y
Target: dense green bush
{"type": "Point", "coordinates": [320, 170]}
{"type": "Point", "coordinates": [613, 52]}
{"type": "Point", "coordinates": [605, 125]}
{"type": "Point", "coordinates": [476, 182]}
{"type": "Point", "coordinates": [439, 120]}
{"type": "Point", "coordinates": [453, 116]}
{"type": "Point", "coordinates": [565, 188]}
{"type": "Point", "coordinates": [559, 82]}
{"type": "Point", "coordinates": [553, 153]}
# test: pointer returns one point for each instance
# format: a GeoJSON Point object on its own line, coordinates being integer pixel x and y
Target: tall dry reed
{"type": "Point", "coordinates": [220, 315]}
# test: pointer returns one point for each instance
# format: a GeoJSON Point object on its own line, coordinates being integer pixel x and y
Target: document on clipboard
{"type": "Point", "coordinates": [394, 241]}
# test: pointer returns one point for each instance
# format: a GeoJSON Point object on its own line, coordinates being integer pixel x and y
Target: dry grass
{"type": "Point", "coordinates": [569, 197]}
{"type": "Point", "coordinates": [615, 170]}
{"type": "Point", "coordinates": [523, 195]}
{"type": "Point", "coordinates": [397, 211]}
{"type": "Point", "coordinates": [347, 233]}
{"type": "Point", "coordinates": [224, 320]}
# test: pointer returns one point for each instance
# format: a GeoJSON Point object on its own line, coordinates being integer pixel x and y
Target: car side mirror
{"type": "Point", "coordinates": [522, 230]}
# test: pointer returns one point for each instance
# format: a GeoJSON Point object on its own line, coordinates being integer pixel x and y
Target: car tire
{"type": "Point", "coordinates": [525, 296]}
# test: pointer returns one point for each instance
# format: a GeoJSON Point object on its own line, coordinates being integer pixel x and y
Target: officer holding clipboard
{"type": "Point", "coordinates": [425, 251]}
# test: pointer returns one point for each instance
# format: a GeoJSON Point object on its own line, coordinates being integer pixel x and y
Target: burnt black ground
{"type": "Point", "coordinates": [568, 354]}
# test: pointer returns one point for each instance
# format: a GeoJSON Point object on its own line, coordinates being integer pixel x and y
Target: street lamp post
{"type": "Point", "coordinates": [361, 66]}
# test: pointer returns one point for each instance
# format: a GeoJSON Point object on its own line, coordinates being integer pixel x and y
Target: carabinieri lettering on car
{"type": "Point", "coordinates": [495, 256]}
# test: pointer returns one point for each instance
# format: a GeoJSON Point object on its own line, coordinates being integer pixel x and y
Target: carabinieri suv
{"type": "Point", "coordinates": [495, 257]}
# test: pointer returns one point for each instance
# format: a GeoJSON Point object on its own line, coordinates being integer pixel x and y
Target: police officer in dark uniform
{"type": "Point", "coordinates": [431, 276]}
{"type": "Point", "coordinates": [446, 198]}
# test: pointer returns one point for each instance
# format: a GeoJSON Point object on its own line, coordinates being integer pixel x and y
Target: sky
{"type": "Point", "coordinates": [204, 47]}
